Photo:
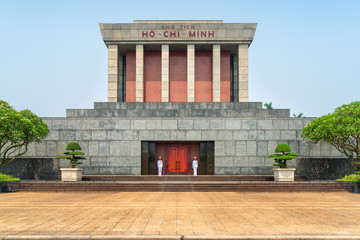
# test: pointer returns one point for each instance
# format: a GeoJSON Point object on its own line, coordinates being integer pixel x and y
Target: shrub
{"type": "Point", "coordinates": [73, 146]}
{"type": "Point", "coordinates": [350, 178]}
{"type": "Point", "coordinates": [282, 154]}
{"type": "Point", "coordinates": [7, 178]}
{"type": "Point", "coordinates": [71, 155]}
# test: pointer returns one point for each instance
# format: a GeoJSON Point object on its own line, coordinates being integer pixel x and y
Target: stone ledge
{"type": "Point", "coordinates": [177, 105]}
{"type": "Point", "coordinates": [179, 113]}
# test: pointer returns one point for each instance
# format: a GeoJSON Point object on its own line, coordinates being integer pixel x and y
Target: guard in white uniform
{"type": "Point", "coordinates": [159, 166]}
{"type": "Point", "coordinates": [195, 165]}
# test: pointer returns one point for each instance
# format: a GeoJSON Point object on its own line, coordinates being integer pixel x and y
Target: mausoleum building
{"type": "Point", "coordinates": [179, 90]}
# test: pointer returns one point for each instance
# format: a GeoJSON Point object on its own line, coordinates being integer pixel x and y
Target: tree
{"type": "Point", "coordinates": [17, 130]}
{"type": "Point", "coordinates": [282, 154]}
{"type": "Point", "coordinates": [71, 154]}
{"type": "Point", "coordinates": [268, 105]}
{"type": "Point", "coordinates": [340, 129]}
{"type": "Point", "coordinates": [299, 115]}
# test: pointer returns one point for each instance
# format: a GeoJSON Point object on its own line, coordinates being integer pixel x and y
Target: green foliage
{"type": "Point", "coordinates": [68, 157]}
{"type": "Point", "coordinates": [282, 147]}
{"type": "Point", "coordinates": [268, 105]}
{"type": "Point", "coordinates": [282, 154]}
{"type": "Point", "coordinates": [7, 178]}
{"type": "Point", "coordinates": [73, 146]}
{"type": "Point", "coordinates": [72, 155]}
{"type": "Point", "coordinates": [17, 130]}
{"type": "Point", "coordinates": [340, 129]}
{"type": "Point", "coordinates": [299, 115]}
{"type": "Point", "coordinates": [350, 178]}
{"type": "Point", "coordinates": [76, 153]}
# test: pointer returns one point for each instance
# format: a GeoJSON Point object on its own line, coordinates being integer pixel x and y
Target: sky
{"type": "Point", "coordinates": [305, 55]}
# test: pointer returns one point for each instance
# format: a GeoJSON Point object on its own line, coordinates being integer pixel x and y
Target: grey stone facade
{"type": "Point", "coordinates": [244, 134]}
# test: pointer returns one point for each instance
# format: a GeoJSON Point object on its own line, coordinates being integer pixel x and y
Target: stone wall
{"type": "Point", "coordinates": [113, 144]}
{"type": "Point", "coordinates": [324, 168]}
{"type": "Point", "coordinates": [34, 169]}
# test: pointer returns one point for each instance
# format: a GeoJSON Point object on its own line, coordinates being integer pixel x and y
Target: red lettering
{"type": "Point", "coordinates": [192, 34]}
{"type": "Point", "coordinates": [163, 27]}
{"type": "Point", "coordinates": [173, 34]}
{"type": "Point", "coordinates": [203, 34]}
{"type": "Point", "coordinates": [172, 26]}
{"type": "Point", "coordinates": [192, 26]}
{"type": "Point", "coordinates": [211, 34]}
{"type": "Point", "coordinates": [144, 34]}
{"type": "Point", "coordinates": [152, 34]}
{"type": "Point", "coordinates": [166, 34]}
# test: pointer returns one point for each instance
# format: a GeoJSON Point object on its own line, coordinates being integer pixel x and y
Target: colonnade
{"type": "Point", "coordinates": [115, 68]}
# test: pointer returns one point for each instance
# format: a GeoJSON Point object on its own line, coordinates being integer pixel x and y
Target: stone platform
{"type": "Point", "coordinates": [181, 184]}
{"type": "Point", "coordinates": [178, 109]}
{"type": "Point", "coordinates": [114, 136]}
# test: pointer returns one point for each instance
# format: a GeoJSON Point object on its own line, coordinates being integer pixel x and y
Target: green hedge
{"type": "Point", "coordinates": [350, 178]}
{"type": "Point", "coordinates": [7, 178]}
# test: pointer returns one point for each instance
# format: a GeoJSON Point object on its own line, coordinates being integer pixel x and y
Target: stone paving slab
{"type": "Point", "coordinates": [190, 237]}
{"type": "Point", "coordinates": [179, 215]}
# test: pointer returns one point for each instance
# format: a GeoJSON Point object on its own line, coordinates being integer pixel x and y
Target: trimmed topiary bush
{"type": "Point", "coordinates": [73, 150]}
{"type": "Point", "coordinates": [282, 154]}
{"type": "Point", "coordinates": [73, 146]}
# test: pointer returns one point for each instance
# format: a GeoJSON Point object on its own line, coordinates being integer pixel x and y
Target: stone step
{"type": "Point", "coordinates": [180, 186]}
{"type": "Point", "coordinates": [178, 113]}
{"type": "Point", "coordinates": [184, 178]}
{"type": "Point", "coordinates": [177, 105]}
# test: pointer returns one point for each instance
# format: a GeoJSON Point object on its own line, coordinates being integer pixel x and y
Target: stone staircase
{"type": "Point", "coordinates": [199, 178]}
{"type": "Point", "coordinates": [180, 184]}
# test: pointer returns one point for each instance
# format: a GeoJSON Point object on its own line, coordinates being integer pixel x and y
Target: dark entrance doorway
{"type": "Point", "coordinates": [177, 157]}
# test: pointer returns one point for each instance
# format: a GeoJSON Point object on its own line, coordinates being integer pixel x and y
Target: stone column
{"type": "Point", "coordinates": [216, 73]}
{"type": "Point", "coordinates": [235, 78]}
{"type": "Point", "coordinates": [120, 79]}
{"type": "Point", "coordinates": [113, 73]}
{"type": "Point", "coordinates": [165, 73]}
{"type": "Point", "coordinates": [191, 73]}
{"type": "Point", "coordinates": [243, 73]}
{"type": "Point", "coordinates": [139, 73]}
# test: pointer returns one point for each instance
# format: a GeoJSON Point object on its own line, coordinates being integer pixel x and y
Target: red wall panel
{"type": "Point", "coordinates": [152, 76]}
{"type": "Point", "coordinates": [130, 76]}
{"type": "Point", "coordinates": [203, 76]}
{"type": "Point", "coordinates": [178, 76]}
{"type": "Point", "coordinates": [225, 76]}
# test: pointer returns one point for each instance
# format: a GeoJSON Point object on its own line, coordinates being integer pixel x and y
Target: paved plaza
{"type": "Point", "coordinates": [174, 214]}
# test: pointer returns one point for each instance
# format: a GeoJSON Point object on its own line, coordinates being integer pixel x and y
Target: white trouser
{"type": "Point", "coordinates": [195, 171]}
{"type": "Point", "coordinates": [159, 171]}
